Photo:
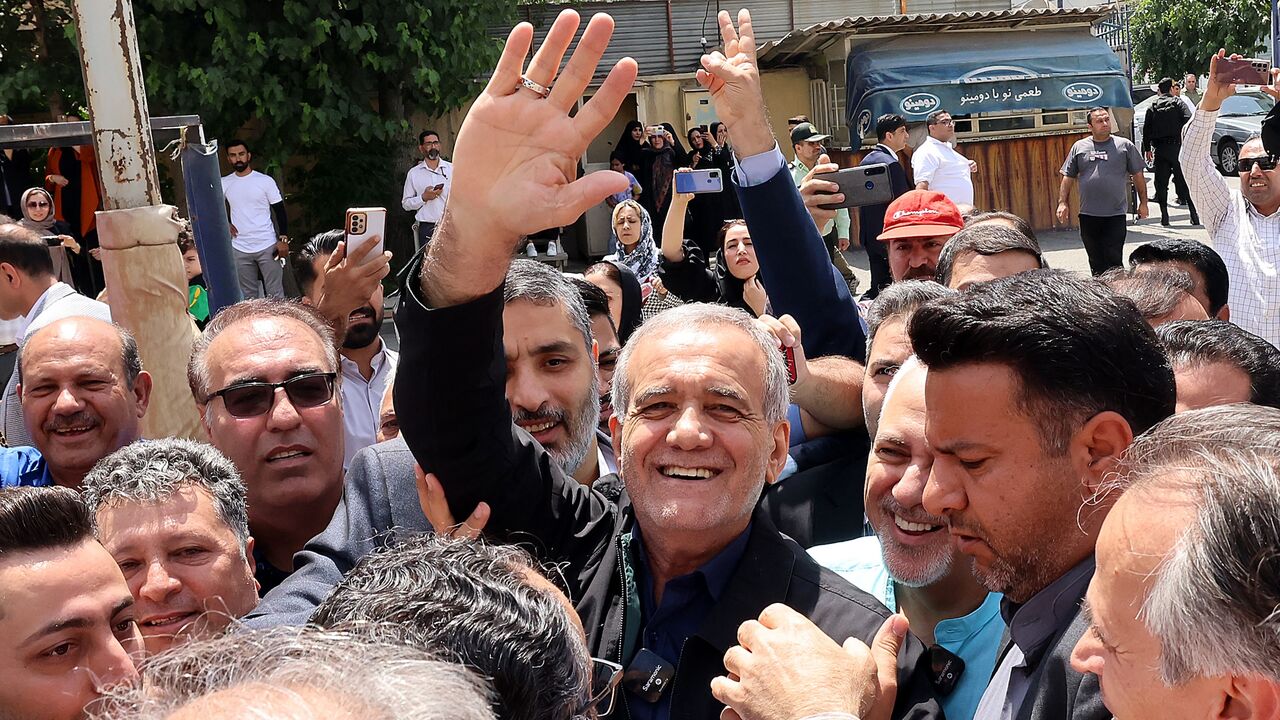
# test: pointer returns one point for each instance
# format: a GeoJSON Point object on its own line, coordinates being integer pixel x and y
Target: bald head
{"type": "Point", "coordinates": [83, 393]}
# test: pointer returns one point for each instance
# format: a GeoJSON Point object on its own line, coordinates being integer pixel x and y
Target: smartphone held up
{"type": "Point", "coordinates": [363, 226]}
{"type": "Point", "coordinates": [1242, 71]}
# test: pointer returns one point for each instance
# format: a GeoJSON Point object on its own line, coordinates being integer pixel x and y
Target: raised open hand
{"type": "Point", "coordinates": [519, 149]}
{"type": "Point", "coordinates": [733, 80]}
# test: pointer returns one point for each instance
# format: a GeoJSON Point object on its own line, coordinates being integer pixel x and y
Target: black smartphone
{"type": "Point", "coordinates": [52, 240]}
{"type": "Point", "coordinates": [862, 185]}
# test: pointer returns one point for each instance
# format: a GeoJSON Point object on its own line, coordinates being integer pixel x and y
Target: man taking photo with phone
{"type": "Point", "coordinates": [426, 187]}
{"type": "Point", "coordinates": [1243, 226]}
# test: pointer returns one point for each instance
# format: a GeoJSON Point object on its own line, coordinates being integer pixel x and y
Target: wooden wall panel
{"type": "Point", "coordinates": [1019, 175]}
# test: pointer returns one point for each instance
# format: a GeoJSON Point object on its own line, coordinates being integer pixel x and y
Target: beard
{"type": "Point", "coordinates": [361, 336]}
{"type": "Point", "coordinates": [433, 154]}
{"type": "Point", "coordinates": [915, 566]}
{"type": "Point", "coordinates": [579, 425]}
{"type": "Point", "coordinates": [240, 166]}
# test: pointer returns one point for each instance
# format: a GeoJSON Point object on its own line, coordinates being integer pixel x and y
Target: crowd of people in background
{"type": "Point", "coordinates": [705, 478]}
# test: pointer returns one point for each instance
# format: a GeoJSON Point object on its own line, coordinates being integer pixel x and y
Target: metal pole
{"type": "Point", "coordinates": [1275, 33]}
{"type": "Point", "coordinates": [117, 102]}
{"type": "Point", "coordinates": [208, 210]}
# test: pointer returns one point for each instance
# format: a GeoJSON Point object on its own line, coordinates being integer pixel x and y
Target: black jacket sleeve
{"type": "Point", "coordinates": [690, 279]}
{"type": "Point", "coordinates": [282, 217]}
{"type": "Point", "coordinates": [450, 396]}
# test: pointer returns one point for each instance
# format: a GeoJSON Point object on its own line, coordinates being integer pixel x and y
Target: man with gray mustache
{"type": "Point", "coordinates": [84, 394]}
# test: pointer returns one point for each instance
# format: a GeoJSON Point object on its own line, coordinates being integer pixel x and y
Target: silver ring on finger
{"type": "Point", "coordinates": [528, 84]}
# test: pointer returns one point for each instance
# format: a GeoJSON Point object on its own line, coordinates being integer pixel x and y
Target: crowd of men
{"type": "Point", "coordinates": [995, 490]}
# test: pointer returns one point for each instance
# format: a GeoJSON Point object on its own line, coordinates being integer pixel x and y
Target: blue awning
{"type": "Point", "coordinates": [975, 72]}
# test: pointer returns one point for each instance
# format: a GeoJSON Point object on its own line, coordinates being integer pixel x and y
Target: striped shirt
{"type": "Point", "coordinates": [1247, 240]}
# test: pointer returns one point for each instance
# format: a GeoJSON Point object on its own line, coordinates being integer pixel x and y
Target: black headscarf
{"type": "Point", "coordinates": [631, 299]}
{"type": "Point", "coordinates": [628, 149]}
{"type": "Point", "coordinates": [682, 157]}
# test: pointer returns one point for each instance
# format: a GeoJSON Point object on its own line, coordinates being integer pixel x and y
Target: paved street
{"type": "Point", "coordinates": [1063, 248]}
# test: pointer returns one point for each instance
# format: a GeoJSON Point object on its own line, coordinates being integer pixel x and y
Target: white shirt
{"type": "Point", "coordinates": [362, 401]}
{"type": "Point", "coordinates": [1248, 241]}
{"type": "Point", "coordinates": [420, 178]}
{"type": "Point", "coordinates": [251, 197]}
{"type": "Point", "coordinates": [946, 170]}
{"type": "Point", "coordinates": [1191, 106]}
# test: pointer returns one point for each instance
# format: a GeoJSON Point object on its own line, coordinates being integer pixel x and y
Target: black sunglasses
{"type": "Point", "coordinates": [251, 399]}
{"type": "Point", "coordinates": [605, 678]}
{"type": "Point", "coordinates": [1266, 162]}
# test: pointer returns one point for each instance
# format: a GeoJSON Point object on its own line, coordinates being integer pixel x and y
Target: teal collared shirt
{"type": "Point", "coordinates": [974, 637]}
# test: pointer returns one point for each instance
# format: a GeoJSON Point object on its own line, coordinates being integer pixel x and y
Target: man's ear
{"type": "Point", "coordinates": [142, 392]}
{"type": "Point", "coordinates": [1097, 447]}
{"type": "Point", "coordinates": [1249, 697]}
{"type": "Point", "coordinates": [778, 456]}
{"type": "Point", "coordinates": [1224, 313]}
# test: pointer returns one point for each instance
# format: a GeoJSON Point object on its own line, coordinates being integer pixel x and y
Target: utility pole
{"type": "Point", "coordinates": [117, 103]}
{"type": "Point", "coordinates": [137, 233]}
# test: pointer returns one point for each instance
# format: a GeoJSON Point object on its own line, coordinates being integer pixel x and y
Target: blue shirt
{"type": "Point", "coordinates": [974, 637]}
{"type": "Point", "coordinates": [23, 466]}
{"type": "Point", "coordinates": [686, 602]}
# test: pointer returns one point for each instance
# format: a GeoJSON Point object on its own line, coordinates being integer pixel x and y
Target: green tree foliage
{"type": "Point", "coordinates": [1174, 37]}
{"type": "Point", "coordinates": [321, 88]}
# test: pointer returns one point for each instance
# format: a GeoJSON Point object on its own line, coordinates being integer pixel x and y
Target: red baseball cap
{"type": "Point", "coordinates": [921, 213]}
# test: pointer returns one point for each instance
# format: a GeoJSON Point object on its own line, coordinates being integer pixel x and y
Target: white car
{"type": "Point", "coordinates": [1239, 119]}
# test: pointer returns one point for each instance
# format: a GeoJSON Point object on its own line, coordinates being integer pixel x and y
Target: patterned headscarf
{"type": "Point", "coordinates": [643, 258]}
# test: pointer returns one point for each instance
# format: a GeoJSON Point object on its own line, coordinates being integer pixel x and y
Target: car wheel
{"type": "Point", "coordinates": [1228, 156]}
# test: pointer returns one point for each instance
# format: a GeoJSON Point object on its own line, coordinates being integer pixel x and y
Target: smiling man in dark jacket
{"type": "Point", "coordinates": [664, 576]}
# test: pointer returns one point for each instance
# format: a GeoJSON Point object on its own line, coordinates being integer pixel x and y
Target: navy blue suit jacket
{"type": "Point", "coordinates": [871, 217]}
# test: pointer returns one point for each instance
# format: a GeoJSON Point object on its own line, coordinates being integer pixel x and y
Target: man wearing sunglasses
{"type": "Point", "coordinates": [1244, 225]}
{"type": "Point", "coordinates": [938, 166]}
{"type": "Point", "coordinates": [264, 375]}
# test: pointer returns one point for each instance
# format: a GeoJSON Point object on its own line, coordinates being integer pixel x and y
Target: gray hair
{"type": "Point", "coordinates": [537, 283]}
{"type": "Point", "coordinates": [198, 373]}
{"type": "Point", "coordinates": [985, 238]}
{"type": "Point", "coordinates": [301, 674]}
{"type": "Point", "coordinates": [900, 299]}
{"type": "Point", "coordinates": [1214, 604]}
{"type": "Point", "coordinates": [707, 316]}
{"type": "Point", "coordinates": [472, 603]}
{"type": "Point", "coordinates": [150, 472]}
{"type": "Point", "coordinates": [130, 357]}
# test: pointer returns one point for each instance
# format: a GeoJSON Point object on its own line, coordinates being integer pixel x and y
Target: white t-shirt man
{"type": "Point", "coordinates": [251, 197]}
{"type": "Point", "coordinates": [946, 170]}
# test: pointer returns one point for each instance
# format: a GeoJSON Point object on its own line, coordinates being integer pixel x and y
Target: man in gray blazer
{"type": "Point", "coordinates": [30, 290]}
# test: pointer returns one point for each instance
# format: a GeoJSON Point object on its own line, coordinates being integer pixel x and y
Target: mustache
{"type": "Point", "coordinates": [69, 421]}
{"type": "Point", "coordinates": [540, 415]}
{"type": "Point", "coordinates": [889, 506]}
{"type": "Point", "coordinates": [920, 273]}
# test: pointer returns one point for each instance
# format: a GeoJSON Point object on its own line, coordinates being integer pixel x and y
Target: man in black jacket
{"type": "Point", "coordinates": [1162, 130]}
{"type": "Point", "coordinates": [663, 576]}
{"type": "Point", "coordinates": [891, 138]}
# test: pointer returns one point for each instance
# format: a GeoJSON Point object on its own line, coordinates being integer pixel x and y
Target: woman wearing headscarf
{"type": "Point", "coordinates": [633, 238]}
{"type": "Point", "coordinates": [623, 290]}
{"type": "Point", "coordinates": [686, 270]}
{"type": "Point", "coordinates": [38, 216]}
{"type": "Point", "coordinates": [629, 148]}
{"type": "Point", "coordinates": [655, 177]}
{"type": "Point", "coordinates": [706, 210]}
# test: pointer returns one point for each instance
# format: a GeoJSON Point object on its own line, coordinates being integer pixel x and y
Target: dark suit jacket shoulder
{"type": "Point", "coordinates": [1059, 691]}
{"type": "Point", "coordinates": [379, 504]}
